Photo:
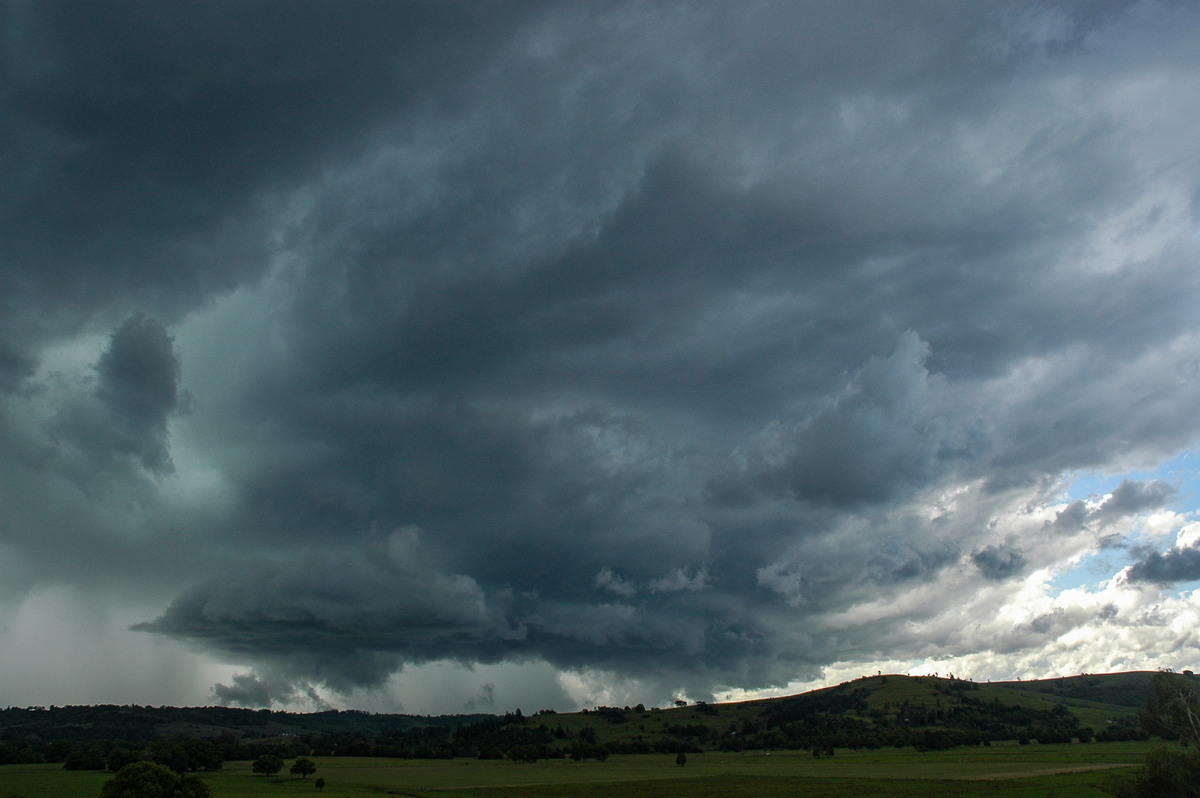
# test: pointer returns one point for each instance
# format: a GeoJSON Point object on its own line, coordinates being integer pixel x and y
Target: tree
{"type": "Point", "coordinates": [303, 767]}
{"type": "Point", "coordinates": [581, 751]}
{"type": "Point", "coordinates": [203, 754]}
{"type": "Point", "coordinates": [681, 759]}
{"type": "Point", "coordinates": [170, 753]}
{"type": "Point", "coordinates": [84, 759]}
{"type": "Point", "coordinates": [120, 757]}
{"type": "Point", "coordinates": [152, 780]}
{"type": "Point", "coordinates": [1172, 711]}
{"type": "Point", "coordinates": [319, 784]}
{"type": "Point", "coordinates": [267, 765]}
{"type": "Point", "coordinates": [1169, 773]}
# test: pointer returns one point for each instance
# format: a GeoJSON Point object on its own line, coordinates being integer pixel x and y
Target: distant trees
{"type": "Point", "coordinates": [582, 750]}
{"type": "Point", "coordinates": [528, 753]}
{"type": "Point", "coordinates": [303, 767]}
{"type": "Point", "coordinates": [90, 758]}
{"type": "Point", "coordinates": [929, 714]}
{"type": "Point", "coordinates": [195, 753]}
{"type": "Point", "coordinates": [203, 754]}
{"type": "Point", "coordinates": [170, 753]}
{"type": "Point", "coordinates": [119, 757]}
{"type": "Point", "coordinates": [181, 756]}
{"type": "Point", "coordinates": [613, 714]}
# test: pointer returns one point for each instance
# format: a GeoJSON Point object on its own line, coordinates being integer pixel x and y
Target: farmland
{"type": "Point", "coordinates": [1001, 769]}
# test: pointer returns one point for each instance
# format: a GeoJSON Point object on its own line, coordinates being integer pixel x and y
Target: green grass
{"type": "Point", "coordinates": [49, 781]}
{"type": "Point", "coordinates": [1062, 771]}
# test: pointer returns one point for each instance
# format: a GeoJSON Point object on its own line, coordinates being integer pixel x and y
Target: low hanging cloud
{"type": "Point", "coordinates": [694, 347]}
{"type": "Point", "coordinates": [350, 617]}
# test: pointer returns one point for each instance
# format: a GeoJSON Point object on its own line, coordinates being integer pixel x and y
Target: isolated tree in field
{"type": "Point", "coordinates": [303, 767]}
{"type": "Point", "coordinates": [681, 759]}
{"type": "Point", "coordinates": [152, 780]}
{"type": "Point", "coordinates": [319, 784]}
{"type": "Point", "coordinates": [267, 765]}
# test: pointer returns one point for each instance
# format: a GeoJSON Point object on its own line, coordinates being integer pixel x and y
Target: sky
{"type": "Point", "coordinates": [441, 357]}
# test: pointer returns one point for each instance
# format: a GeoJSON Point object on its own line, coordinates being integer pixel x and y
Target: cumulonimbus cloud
{"type": "Point", "coordinates": [698, 345]}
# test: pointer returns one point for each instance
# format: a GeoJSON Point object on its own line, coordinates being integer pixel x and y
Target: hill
{"type": "Point", "coordinates": [885, 710]}
{"type": "Point", "coordinates": [924, 712]}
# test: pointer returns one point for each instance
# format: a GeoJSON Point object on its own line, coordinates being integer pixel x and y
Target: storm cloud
{"type": "Point", "coordinates": [1176, 565]}
{"type": "Point", "coordinates": [678, 348]}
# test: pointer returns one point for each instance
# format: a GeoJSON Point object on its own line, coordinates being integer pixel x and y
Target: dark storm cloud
{"type": "Point", "coordinates": [1132, 496]}
{"type": "Point", "coordinates": [249, 690]}
{"type": "Point", "coordinates": [263, 690]}
{"type": "Point", "coordinates": [139, 385]}
{"type": "Point", "coordinates": [124, 419]}
{"type": "Point", "coordinates": [1176, 565]}
{"type": "Point", "coordinates": [519, 361]}
{"type": "Point", "coordinates": [637, 337]}
{"type": "Point", "coordinates": [137, 139]}
{"type": "Point", "coordinates": [999, 562]}
{"type": "Point", "coordinates": [1128, 498]}
{"type": "Point", "coordinates": [891, 428]}
{"type": "Point", "coordinates": [1072, 518]}
{"type": "Point", "coordinates": [15, 368]}
{"type": "Point", "coordinates": [351, 620]}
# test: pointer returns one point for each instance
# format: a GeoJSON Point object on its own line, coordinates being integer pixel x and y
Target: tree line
{"type": "Point", "coordinates": [930, 714]}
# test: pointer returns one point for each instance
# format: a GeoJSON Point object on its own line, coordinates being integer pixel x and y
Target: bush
{"type": "Point", "coordinates": [1169, 773]}
{"type": "Point", "coordinates": [151, 780]}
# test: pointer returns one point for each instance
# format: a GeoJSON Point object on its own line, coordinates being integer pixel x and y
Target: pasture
{"type": "Point", "coordinates": [1007, 769]}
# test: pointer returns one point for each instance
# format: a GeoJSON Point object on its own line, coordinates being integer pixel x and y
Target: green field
{"type": "Point", "coordinates": [1000, 770]}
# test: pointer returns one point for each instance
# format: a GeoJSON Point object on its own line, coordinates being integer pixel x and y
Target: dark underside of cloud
{"type": "Point", "coordinates": [1176, 565]}
{"type": "Point", "coordinates": [998, 562]}
{"type": "Point", "coordinates": [637, 338]}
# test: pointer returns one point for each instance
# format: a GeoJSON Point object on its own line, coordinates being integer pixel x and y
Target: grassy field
{"type": "Point", "coordinates": [1000, 770]}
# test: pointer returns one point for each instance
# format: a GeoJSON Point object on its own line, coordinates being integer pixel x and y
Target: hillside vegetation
{"type": "Point", "coordinates": [885, 711]}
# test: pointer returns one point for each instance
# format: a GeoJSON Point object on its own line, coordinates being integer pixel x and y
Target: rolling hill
{"type": "Point", "coordinates": [925, 712]}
